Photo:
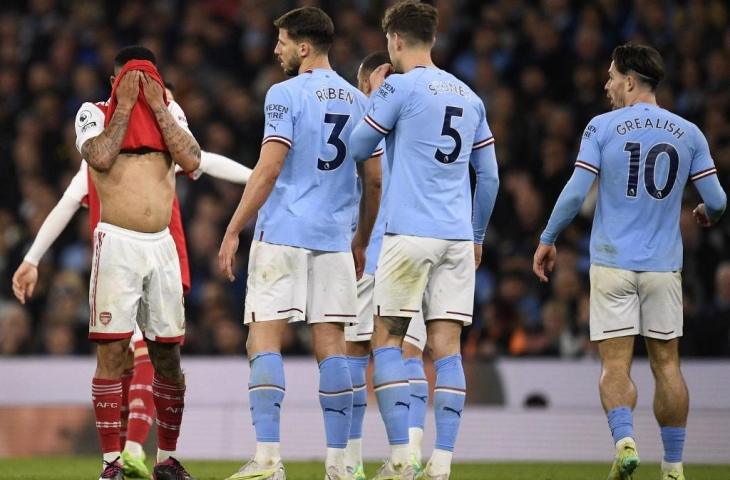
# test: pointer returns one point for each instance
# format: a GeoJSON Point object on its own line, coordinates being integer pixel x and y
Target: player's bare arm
{"type": "Point", "coordinates": [183, 147]}
{"type": "Point", "coordinates": [24, 281]}
{"type": "Point", "coordinates": [102, 151]}
{"type": "Point", "coordinates": [257, 190]}
{"type": "Point", "coordinates": [543, 261]}
{"type": "Point", "coordinates": [371, 176]}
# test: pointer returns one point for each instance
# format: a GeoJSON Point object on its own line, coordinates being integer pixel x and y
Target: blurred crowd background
{"type": "Point", "coordinates": [539, 66]}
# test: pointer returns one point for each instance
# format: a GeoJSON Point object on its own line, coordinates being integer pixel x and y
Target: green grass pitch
{"type": "Point", "coordinates": [77, 468]}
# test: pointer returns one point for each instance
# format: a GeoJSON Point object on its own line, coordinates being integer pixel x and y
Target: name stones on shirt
{"type": "Point", "coordinates": [640, 124]}
{"type": "Point", "coordinates": [445, 86]}
{"type": "Point", "coordinates": [329, 93]}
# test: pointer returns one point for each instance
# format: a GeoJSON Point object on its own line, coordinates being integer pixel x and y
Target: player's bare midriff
{"type": "Point", "coordinates": [137, 192]}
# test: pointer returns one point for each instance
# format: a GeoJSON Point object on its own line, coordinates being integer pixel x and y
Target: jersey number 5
{"type": "Point", "coordinates": [338, 120]}
{"type": "Point", "coordinates": [634, 150]}
{"type": "Point", "coordinates": [449, 131]}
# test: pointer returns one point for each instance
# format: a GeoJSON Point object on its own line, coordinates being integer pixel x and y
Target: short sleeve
{"type": "Point", "coordinates": [702, 164]}
{"type": "Point", "coordinates": [483, 135]}
{"type": "Point", "coordinates": [386, 104]}
{"type": "Point", "coordinates": [589, 155]}
{"type": "Point", "coordinates": [279, 125]}
{"type": "Point", "coordinates": [177, 113]}
{"type": "Point", "coordinates": [89, 123]}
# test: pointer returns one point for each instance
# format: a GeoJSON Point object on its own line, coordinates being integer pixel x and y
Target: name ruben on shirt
{"type": "Point", "coordinates": [642, 123]}
{"type": "Point", "coordinates": [330, 93]}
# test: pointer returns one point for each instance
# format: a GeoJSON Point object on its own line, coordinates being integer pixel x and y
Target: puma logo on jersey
{"type": "Point", "coordinates": [422, 398]}
{"type": "Point", "coordinates": [341, 412]}
{"type": "Point", "coordinates": [449, 409]}
{"type": "Point", "coordinates": [403, 404]}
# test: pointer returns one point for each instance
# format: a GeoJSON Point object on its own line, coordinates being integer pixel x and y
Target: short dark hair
{"type": "Point", "coordinates": [308, 23]}
{"type": "Point", "coordinates": [643, 60]}
{"type": "Point", "coordinates": [373, 61]}
{"type": "Point", "coordinates": [134, 52]}
{"type": "Point", "coordinates": [414, 20]}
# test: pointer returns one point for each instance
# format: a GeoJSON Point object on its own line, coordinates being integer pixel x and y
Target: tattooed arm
{"type": "Point", "coordinates": [183, 147]}
{"type": "Point", "coordinates": [102, 150]}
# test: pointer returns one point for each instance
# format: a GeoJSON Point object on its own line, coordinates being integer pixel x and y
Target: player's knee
{"type": "Point", "coordinates": [166, 360]}
{"type": "Point", "coordinates": [357, 349]}
{"type": "Point", "coordinates": [111, 358]}
{"type": "Point", "coordinates": [664, 368]}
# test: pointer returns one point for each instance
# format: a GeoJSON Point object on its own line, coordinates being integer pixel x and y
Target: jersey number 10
{"type": "Point", "coordinates": [634, 150]}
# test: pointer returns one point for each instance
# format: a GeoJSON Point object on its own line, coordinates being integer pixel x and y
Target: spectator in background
{"type": "Point", "coordinates": [538, 66]}
{"type": "Point", "coordinates": [15, 330]}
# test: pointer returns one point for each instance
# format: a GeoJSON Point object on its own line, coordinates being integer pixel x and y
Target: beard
{"type": "Point", "coordinates": [291, 69]}
{"type": "Point", "coordinates": [615, 102]}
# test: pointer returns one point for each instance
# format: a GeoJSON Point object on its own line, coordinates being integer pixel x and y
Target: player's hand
{"type": "Point", "coordinates": [24, 281]}
{"type": "Point", "coordinates": [358, 255]}
{"type": "Point", "coordinates": [544, 261]}
{"type": "Point", "coordinates": [477, 255]}
{"type": "Point", "coordinates": [700, 214]}
{"type": "Point", "coordinates": [227, 254]}
{"type": "Point", "coordinates": [378, 76]}
{"type": "Point", "coordinates": [153, 92]}
{"type": "Point", "coordinates": [128, 88]}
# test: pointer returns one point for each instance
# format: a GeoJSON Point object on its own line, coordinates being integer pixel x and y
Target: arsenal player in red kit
{"type": "Point", "coordinates": [137, 399]}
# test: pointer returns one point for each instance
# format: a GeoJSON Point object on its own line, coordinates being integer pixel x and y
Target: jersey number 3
{"type": "Point", "coordinates": [338, 120]}
{"type": "Point", "coordinates": [634, 150]}
{"type": "Point", "coordinates": [448, 131]}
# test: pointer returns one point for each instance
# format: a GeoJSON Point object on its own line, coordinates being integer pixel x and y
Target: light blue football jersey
{"type": "Point", "coordinates": [315, 197]}
{"type": "Point", "coordinates": [433, 121]}
{"type": "Point", "coordinates": [643, 156]}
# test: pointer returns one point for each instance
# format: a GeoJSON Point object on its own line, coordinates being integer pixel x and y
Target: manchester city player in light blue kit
{"type": "Point", "coordinates": [301, 268]}
{"type": "Point", "coordinates": [358, 336]}
{"type": "Point", "coordinates": [435, 126]}
{"type": "Point", "coordinates": [643, 157]}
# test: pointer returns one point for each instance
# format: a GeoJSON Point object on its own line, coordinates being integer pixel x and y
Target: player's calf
{"type": "Point", "coordinates": [393, 393]}
{"type": "Point", "coordinates": [448, 404]}
{"type": "Point", "coordinates": [418, 386]}
{"type": "Point", "coordinates": [266, 390]}
{"type": "Point", "coordinates": [358, 369]}
{"type": "Point", "coordinates": [335, 398]}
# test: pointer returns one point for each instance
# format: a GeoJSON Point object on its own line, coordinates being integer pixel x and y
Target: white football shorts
{"type": "Point", "coordinates": [298, 284]}
{"type": "Point", "coordinates": [363, 330]}
{"type": "Point", "coordinates": [425, 275]}
{"type": "Point", "coordinates": [624, 302]}
{"type": "Point", "coordinates": [135, 277]}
